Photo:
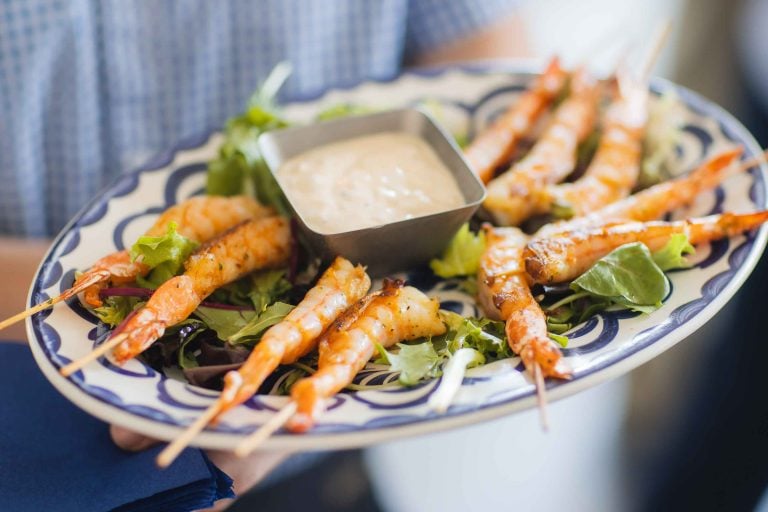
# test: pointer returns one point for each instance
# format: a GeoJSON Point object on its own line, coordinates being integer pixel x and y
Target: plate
{"type": "Point", "coordinates": [465, 98]}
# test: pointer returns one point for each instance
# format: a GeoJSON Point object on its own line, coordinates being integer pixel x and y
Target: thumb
{"type": "Point", "coordinates": [129, 440]}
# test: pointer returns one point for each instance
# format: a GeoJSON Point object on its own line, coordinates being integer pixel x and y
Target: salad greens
{"type": "Point", "coordinates": [426, 358]}
{"type": "Point", "coordinates": [630, 277]}
{"type": "Point", "coordinates": [462, 256]}
{"type": "Point", "coordinates": [239, 167]}
{"type": "Point", "coordinates": [114, 309]}
{"type": "Point", "coordinates": [671, 256]}
{"type": "Point", "coordinates": [164, 255]}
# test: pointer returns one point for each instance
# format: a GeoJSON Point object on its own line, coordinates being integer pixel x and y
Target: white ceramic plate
{"type": "Point", "coordinates": [610, 344]}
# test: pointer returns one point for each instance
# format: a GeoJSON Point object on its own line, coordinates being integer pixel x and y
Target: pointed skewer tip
{"type": "Point", "coordinates": [541, 395]}
{"type": "Point", "coordinates": [256, 439]}
{"type": "Point", "coordinates": [166, 457]}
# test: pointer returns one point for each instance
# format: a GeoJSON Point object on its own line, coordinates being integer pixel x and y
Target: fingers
{"type": "Point", "coordinates": [246, 471]}
{"type": "Point", "coordinates": [130, 441]}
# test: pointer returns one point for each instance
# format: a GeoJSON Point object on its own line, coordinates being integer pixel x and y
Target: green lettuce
{"type": "Point", "coordinates": [267, 287]}
{"type": "Point", "coordinates": [482, 334]}
{"type": "Point", "coordinates": [630, 277]}
{"type": "Point", "coordinates": [462, 256]}
{"type": "Point", "coordinates": [114, 309]}
{"type": "Point", "coordinates": [251, 332]}
{"type": "Point", "coordinates": [226, 322]}
{"type": "Point", "coordinates": [672, 255]}
{"type": "Point", "coordinates": [414, 362]}
{"type": "Point", "coordinates": [426, 358]}
{"type": "Point", "coordinates": [627, 276]}
{"type": "Point", "coordinates": [239, 167]}
{"type": "Point", "coordinates": [164, 255]}
{"type": "Point", "coordinates": [242, 327]}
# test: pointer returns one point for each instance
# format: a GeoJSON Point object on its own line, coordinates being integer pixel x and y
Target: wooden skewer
{"type": "Point", "coordinates": [657, 44]}
{"type": "Point", "coordinates": [97, 353]}
{"type": "Point", "coordinates": [270, 427]}
{"type": "Point", "coordinates": [50, 302]}
{"type": "Point", "coordinates": [169, 454]}
{"type": "Point", "coordinates": [541, 395]}
{"type": "Point", "coordinates": [759, 159]}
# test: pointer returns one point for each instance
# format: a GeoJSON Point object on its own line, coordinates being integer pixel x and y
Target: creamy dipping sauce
{"type": "Point", "coordinates": [368, 181]}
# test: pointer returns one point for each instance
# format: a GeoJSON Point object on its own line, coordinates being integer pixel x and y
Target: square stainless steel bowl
{"type": "Point", "coordinates": [395, 246]}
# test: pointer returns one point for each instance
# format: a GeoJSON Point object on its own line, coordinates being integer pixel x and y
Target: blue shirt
{"type": "Point", "coordinates": [89, 88]}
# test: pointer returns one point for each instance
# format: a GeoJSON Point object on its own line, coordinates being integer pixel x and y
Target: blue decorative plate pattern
{"type": "Point", "coordinates": [465, 98]}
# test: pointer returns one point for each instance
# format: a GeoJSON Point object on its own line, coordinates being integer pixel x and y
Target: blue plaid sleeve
{"type": "Point", "coordinates": [90, 89]}
{"type": "Point", "coordinates": [432, 23]}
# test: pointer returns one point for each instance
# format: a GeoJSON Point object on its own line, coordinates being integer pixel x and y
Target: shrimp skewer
{"type": "Point", "coordinates": [296, 335]}
{"type": "Point", "coordinates": [615, 167]}
{"type": "Point", "coordinates": [399, 313]}
{"type": "Point", "coordinates": [252, 245]}
{"type": "Point", "coordinates": [495, 144]}
{"type": "Point", "coordinates": [655, 201]}
{"type": "Point", "coordinates": [504, 293]}
{"type": "Point", "coordinates": [567, 256]}
{"type": "Point", "coordinates": [516, 195]}
{"type": "Point", "coordinates": [198, 218]}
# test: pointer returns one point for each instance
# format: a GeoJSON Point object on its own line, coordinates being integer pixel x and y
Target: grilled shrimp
{"type": "Point", "coordinates": [495, 144]}
{"type": "Point", "coordinates": [504, 293]}
{"type": "Point", "coordinates": [653, 202]}
{"type": "Point", "coordinates": [199, 218]}
{"type": "Point", "coordinates": [615, 167]}
{"type": "Point", "coordinates": [398, 313]}
{"type": "Point", "coordinates": [252, 245]}
{"type": "Point", "coordinates": [517, 194]}
{"type": "Point", "coordinates": [339, 287]}
{"type": "Point", "coordinates": [567, 256]}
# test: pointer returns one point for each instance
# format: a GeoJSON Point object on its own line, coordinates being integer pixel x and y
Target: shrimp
{"type": "Point", "coordinates": [398, 313]}
{"type": "Point", "coordinates": [251, 245]}
{"type": "Point", "coordinates": [495, 144]}
{"type": "Point", "coordinates": [517, 194]}
{"type": "Point", "coordinates": [567, 256]}
{"type": "Point", "coordinates": [615, 167]}
{"type": "Point", "coordinates": [504, 293]}
{"type": "Point", "coordinates": [199, 218]}
{"type": "Point", "coordinates": [339, 287]}
{"type": "Point", "coordinates": [655, 201]}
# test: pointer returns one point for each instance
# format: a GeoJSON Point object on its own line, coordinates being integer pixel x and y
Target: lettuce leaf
{"type": "Point", "coordinates": [414, 362]}
{"type": "Point", "coordinates": [672, 255]}
{"type": "Point", "coordinates": [462, 256]}
{"type": "Point", "coordinates": [164, 255]}
{"type": "Point", "coordinates": [627, 276]}
{"type": "Point", "coordinates": [267, 287]}
{"type": "Point", "coordinates": [482, 334]}
{"type": "Point", "coordinates": [226, 322]}
{"type": "Point", "coordinates": [114, 309]}
{"type": "Point", "coordinates": [239, 168]}
{"type": "Point", "coordinates": [251, 332]}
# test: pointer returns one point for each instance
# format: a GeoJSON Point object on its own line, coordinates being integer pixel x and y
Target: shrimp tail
{"type": "Point", "coordinates": [116, 268]}
{"type": "Point", "coordinates": [549, 358]}
{"type": "Point", "coordinates": [725, 225]}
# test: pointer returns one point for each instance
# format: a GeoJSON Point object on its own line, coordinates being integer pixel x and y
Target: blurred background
{"type": "Point", "coordinates": [689, 429]}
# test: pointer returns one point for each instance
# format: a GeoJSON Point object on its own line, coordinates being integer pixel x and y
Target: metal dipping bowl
{"type": "Point", "coordinates": [395, 246]}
